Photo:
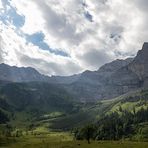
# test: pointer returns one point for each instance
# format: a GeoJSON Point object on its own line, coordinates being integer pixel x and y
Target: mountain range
{"type": "Point", "coordinates": [117, 91]}
{"type": "Point", "coordinates": [111, 80]}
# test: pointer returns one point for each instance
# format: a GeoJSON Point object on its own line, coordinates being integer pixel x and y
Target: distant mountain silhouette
{"type": "Point", "coordinates": [111, 80]}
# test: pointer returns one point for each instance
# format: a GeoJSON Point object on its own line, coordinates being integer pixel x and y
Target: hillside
{"type": "Point", "coordinates": [37, 99]}
{"type": "Point", "coordinates": [43, 107]}
{"type": "Point", "coordinates": [21, 102]}
{"type": "Point", "coordinates": [125, 117]}
{"type": "Point", "coordinates": [92, 112]}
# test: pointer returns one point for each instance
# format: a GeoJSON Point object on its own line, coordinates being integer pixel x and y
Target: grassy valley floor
{"type": "Point", "coordinates": [63, 140]}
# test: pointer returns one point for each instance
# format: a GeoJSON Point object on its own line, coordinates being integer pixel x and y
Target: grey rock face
{"type": "Point", "coordinates": [94, 85]}
{"type": "Point", "coordinates": [132, 76]}
{"type": "Point", "coordinates": [28, 74]}
{"type": "Point", "coordinates": [15, 74]}
{"type": "Point", "coordinates": [139, 66]}
{"type": "Point", "coordinates": [113, 79]}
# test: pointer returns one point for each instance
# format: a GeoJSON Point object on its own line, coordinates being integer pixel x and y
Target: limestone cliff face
{"type": "Point", "coordinates": [130, 77]}
{"type": "Point", "coordinates": [101, 84]}
{"type": "Point", "coordinates": [113, 79]}
{"type": "Point", "coordinates": [140, 65]}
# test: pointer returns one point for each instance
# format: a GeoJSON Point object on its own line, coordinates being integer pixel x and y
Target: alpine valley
{"type": "Point", "coordinates": [112, 101]}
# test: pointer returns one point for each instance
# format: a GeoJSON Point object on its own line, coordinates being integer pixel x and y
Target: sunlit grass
{"type": "Point", "coordinates": [65, 140]}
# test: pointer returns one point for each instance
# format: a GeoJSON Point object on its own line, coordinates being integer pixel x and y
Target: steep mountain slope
{"type": "Point", "coordinates": [131, 102]}
{"type": "Point", "coordinates": [113, 79]}
{"type": "Point", "coordinates": [92, 85]}
{"type": "Point", "coordinates": [139, 66]}
{"type": "Point", "coordinates": [132, 76]}
{"type": "Point", "coordinates": [34, 99]}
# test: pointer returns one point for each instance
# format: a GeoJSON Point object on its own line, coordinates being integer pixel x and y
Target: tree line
{"type": "Point", "coordinates": [113, 126]}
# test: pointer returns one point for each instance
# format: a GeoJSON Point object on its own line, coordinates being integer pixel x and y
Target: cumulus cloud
{"type": "Point", "coordinates": [19, 53]}
{"type": "Point", "coordinates": [76, 34]}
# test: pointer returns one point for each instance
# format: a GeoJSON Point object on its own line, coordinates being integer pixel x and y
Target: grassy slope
{"type": "Point", "coordinates": [134, 100]}
{"type": "Point", "coordinates": [56, 109]}
{"type": "Point", "coordinates": [86, 115]}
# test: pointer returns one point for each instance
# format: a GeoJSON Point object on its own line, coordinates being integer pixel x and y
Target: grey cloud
{"type": "Point", "coordinates": [58, 25]}
{"type": "Point", "coordinates": [2, 53]}
{"type": "Point", "coordinates": [62, 69]}
{"type": "Point", "coordinates": [1, 56]}
{"type": "Point", "coordinates": [95, 58]}
{"type": "Point", "coordinates": [142, 4]}
{"type": "Point", "coordinates": [114, 31]}
{"type": "Point", "coordinates": [113, 27]}
{"type": "Point", "coordinates": [49, 68]}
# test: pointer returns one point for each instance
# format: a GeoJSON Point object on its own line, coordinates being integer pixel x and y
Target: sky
{"type": "Point", "coordinates": [65, 37]}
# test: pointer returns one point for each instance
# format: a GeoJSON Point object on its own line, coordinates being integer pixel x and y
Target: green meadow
{"type": "Point", "coordinates": [63, 140]}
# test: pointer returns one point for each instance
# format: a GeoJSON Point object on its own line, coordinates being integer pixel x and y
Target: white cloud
{"type": "Point", "coordinates": [15, 51]}
{"type": "Point", "coordinates": [33, 17]}
{"type": "Point", "coordinates": [118, 30]}
{"type": "Point", "coordinates": [1, 5]}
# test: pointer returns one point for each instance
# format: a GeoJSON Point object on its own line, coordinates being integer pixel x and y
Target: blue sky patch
{"type": "Point", "coordinates": [38, 40]}
{"type": "Point", "coordinates": [15, 18]}
{"type": "Point", "coordinates": [10, 15]}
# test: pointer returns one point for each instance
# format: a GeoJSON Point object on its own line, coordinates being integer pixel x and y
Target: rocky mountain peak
{"type": "Point", "coordinates": [140, 63]}
{"type": "Point", "coordinates": [142, 55]}
{"type": "Point", "coordinates": [145, 46]}
{"type": "Point", "coordinates": [19, 74]}
{"type": "Point", "coordinates": [115, 65]}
